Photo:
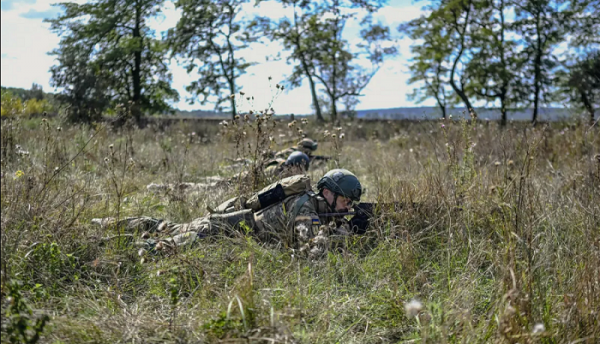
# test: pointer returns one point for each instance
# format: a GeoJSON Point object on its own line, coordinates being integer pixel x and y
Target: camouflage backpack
{"type": "Point", "coordinates": [269, 195]}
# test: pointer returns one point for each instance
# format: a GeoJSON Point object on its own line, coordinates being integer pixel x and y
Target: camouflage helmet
{"type": "Point", "coordinates": [298, 158]}
{"type": "Point", "coordinates": [341, 182]}
{"type": "Point", "coordinates": [308, 144]}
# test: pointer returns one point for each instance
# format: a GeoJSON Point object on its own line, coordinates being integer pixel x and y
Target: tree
{"type": "Point", "coordinates": [430, 63]}
{"type": "Point", "coordinates": [12, 105]}
{"type": "Point", "coordinates": [314, 38]}
{"type": "Point", "coordinates": [494, 65]}
{"type": "Point", "coordinates": [584, 23]}
{"type": "Point", "coordinates": [296, 37]}
{"type": "Point", "coordinates": [85, 90]}
{"type": "Point", "coordinates": [207, 36]}
{"type": "Point", "coordinates": [581, 82]}
{"type": "Point", "coordinates": [107, 53]}
{"type": "Point", "coordinates": [450, 24]}
{"type": "Point", "coordinates": [542, 25]}
{"type": "Point", "coordinates": [336, 64]}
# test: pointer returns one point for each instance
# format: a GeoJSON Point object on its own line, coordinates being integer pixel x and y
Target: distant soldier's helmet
{"type": "Point", "coordinates": [341, 182]}
{"type": "Point", "coordinates": [308, 144]}
{"type": "Point", "coordinates": [298, 159]}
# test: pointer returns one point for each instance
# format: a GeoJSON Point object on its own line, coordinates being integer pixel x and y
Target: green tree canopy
{"type": "Point", "coordinates": [208, 36]}
{"type": "Point", "coordinates": [108, 55]}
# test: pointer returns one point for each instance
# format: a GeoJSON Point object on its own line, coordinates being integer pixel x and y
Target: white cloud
{"type": "Point", "coordinates": [9, 5]}
{"type": "Point", "coordinates": [25, 43]}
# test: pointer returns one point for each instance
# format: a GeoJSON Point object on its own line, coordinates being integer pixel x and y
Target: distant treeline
{"type": "Point", "coordinates": [34, 101]}
{"type": "Point", "coordinates": [418, 113]}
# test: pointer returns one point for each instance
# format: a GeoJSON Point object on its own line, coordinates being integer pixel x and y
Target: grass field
{"type": "Point", "coordinates": [504, 248]}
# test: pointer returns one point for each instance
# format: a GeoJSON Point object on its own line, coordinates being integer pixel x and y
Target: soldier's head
{"type": "Point", "coordinates": [341, 189]}
{"type": "Point", "coordinates": [298, 161]}
{"type": "Point", "coordinates": [307, 146]}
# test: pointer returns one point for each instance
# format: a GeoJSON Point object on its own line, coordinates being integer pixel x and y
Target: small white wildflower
{"type": "Point", "coordinates": [413, 308]}
{"type": "Point", "coordinates": [538, 328]}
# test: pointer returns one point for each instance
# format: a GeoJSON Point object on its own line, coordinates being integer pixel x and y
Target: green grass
{"type": "Point", "coordinates": [506, 237]}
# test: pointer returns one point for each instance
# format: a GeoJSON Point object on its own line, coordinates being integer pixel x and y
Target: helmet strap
{"type": "Point", "coordinates": [334, 203]}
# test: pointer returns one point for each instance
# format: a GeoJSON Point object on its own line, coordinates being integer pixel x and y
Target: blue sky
{"type": "Point", "coordinates": [26, 40]}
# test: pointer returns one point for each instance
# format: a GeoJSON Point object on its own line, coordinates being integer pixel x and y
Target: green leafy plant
{"type": "Point", "coordinates": [21, 325]}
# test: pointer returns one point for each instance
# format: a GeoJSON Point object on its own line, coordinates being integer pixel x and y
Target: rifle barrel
{"type": "Point", "coordinates": [339, 214]}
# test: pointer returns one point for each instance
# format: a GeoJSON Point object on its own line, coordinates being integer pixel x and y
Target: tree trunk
{"type": "Point", "coordinates": [536, 99]}
{"type": "Point", "coordinates": [441, 105]}
{"type": "Point", "coordinates": [588, 105]}
{"type": "Point", "coordinates": [313, 90]}
{"type": "Point", "coordinates": [333, 111]}
{"type": "Point", "coordinates": [231, 83]}
{"type": "Point", "coordinates": [537, 72]}
{"type": "Point", "coordinates": [459, 91]}
{"type": "Point", "coordinates": [504, 118]}
{"type": "Point", "coordinates": [231, 64]}
{"type": "Point", "coordinates": [463, 97]}
{"type": "Point", "coordinates": [136, 73]}
{"type": "Point", "coordinates": [504, 74]}
{"type": "Point", "coordinates": [232, 102]}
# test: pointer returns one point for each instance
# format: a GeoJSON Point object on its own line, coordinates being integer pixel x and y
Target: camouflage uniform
{"type": "Point", "coordinates": [306, 146]}
{"type": "Point", "coordinates": [297, 222]}
{"type": "Point", "coordinates": [294, 223]}
{"type": "Point", "coordinates": [275, 168]}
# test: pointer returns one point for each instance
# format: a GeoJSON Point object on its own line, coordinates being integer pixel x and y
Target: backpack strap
{"type": "Point", "coordinates": [299, 203]}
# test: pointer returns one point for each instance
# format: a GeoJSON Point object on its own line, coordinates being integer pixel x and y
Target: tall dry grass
{"type": "Point", "coordinates": [504, 246]}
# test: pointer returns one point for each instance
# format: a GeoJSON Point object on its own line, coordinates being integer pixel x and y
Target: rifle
{"type": "Point", "coordinates": [319, 157]}
{"type": "Point", "coordinates": [365, 212]}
